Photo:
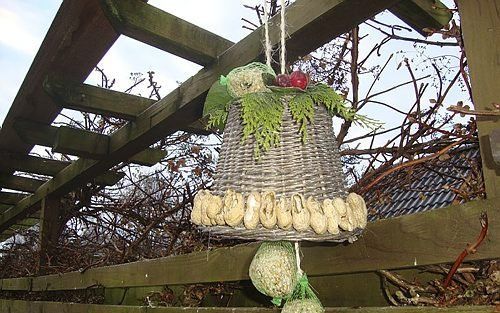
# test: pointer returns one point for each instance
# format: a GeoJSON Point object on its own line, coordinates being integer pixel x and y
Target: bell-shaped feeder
{"type": "Point", "coordinates": [292, 189]}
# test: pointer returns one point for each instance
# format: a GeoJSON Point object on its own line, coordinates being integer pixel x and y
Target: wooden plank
{"type": "Point", "coordinates": [11, 197]}
{"type": "Point", "coordinates": [92, 99]}
{"type": "Point", "coordinates": [109, 178]}
{"type": "Point", "coordinates": [64, 139]}
{"type": "Point", "coordinates": [79, 142]}
{"type": "Point", "coordinates": [20, 183]}
{"type": "Point", "coordinates": [22, 283]}
{"type": "Point", "coordinates": [420, 14]}
{"type": "Point", "coordinates": [432, 237]}
{"type": "Point", "coordinates": [35, 133]}
{"type": "Point", "coordinates": [83, 143]}
{"type": "Point", "coordinates": [481, 32]}
{"type": "Point", "coordinates": [183, 106]}
{"type": "Point", "coordinates": [31, 164]}
{"type": "Point", "coordinates": [50, 228]}
{"type": "Point", "coordinates": [165, 31]}
{"type": "Point", "coordinates": [49, 167]}
{"type": "Point", "coordinates": [28, 222]}
{"type": "Point", "coordinates": [4, 207]}
{"type": "Point", "coordinates": [149, 157]}
{"type": "Point", "coordinates": [20, 306]}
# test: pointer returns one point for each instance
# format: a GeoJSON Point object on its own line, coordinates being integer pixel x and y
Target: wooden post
{"type": "Point", "coordinates": [50, 228]}
{"type": "Point", "coordinates": [481, 32]}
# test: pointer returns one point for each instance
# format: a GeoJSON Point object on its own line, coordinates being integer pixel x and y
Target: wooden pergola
{"type": "Point", "coordinates": [81, 34]}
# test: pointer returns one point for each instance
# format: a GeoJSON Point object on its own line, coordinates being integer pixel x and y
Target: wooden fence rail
{"type": "Point", "coordinates": [426, 238]}
{"type": "Point", "coordinates": [17, 306]}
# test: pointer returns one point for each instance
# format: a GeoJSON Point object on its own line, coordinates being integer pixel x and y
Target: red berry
{"type": "Point", "coordinates": [299, 79]}
{"type": "Point", "coordinates": [283, 80]}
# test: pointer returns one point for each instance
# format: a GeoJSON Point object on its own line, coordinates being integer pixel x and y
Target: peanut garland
{"type": "Point", "coordinates": [267, 210]}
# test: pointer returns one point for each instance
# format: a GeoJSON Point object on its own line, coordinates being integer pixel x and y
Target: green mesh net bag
{"type": "Point", "coordinates": [248, 79]}
{"type": "Point", "coordinates": [273, 270]}
{"type": "Point", "coordinates": [303, 299]}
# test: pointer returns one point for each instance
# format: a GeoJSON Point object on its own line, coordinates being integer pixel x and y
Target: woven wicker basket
{"type": "Point", "coordinates": [312, 169]}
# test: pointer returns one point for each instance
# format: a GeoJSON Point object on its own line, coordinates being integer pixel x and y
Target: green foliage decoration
{"type": "Point", "coordinates": [262, 114]}
{"type": "Point", "coordinates": [262, 111]}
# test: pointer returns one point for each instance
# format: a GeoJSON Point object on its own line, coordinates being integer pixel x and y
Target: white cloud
{"type": "Point", "coordinates": [15, 34]}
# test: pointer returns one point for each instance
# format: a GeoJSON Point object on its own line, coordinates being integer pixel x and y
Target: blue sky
{"type": "Point", "coordinates": [27, 21]}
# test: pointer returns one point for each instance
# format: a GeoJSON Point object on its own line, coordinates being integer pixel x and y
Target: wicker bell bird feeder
{"type": "Point", "coordinates": [291, 189]}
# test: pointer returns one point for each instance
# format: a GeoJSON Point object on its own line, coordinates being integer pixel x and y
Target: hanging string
{"type": "Point", "coordinates": [266, 30]}
{"type": "Point", "coordinates": [297, 257]}
{"type": "Point", "coordinates": [283, 33]}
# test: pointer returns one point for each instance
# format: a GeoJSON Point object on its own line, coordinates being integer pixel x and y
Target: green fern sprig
{"type": "Point", "coordinates": [302, 110]}
{"type": "Point", "coordinates": [262, 116]}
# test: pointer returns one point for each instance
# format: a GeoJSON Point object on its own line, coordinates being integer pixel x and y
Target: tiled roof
{"type": "Point", "coordinates": [423, 187]}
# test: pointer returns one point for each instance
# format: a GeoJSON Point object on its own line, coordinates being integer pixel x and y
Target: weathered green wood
{"type": "Point", "coordinates": [20, 183]}
{"type": "Point", "coordinates": [22, 283]}
{"type": "Point", "coordinates": [432, 237]}
{"type": "Point", "coordinates": [49, 167]}
{"type": "Point", "coordinates": [91, 99]}
{"type": "Point", "coordinates": [79, 142]}
{"type": "Point", "coordinates": [83, 143]}
{"type": "Point", "coordinates": [66, 140]}
{"type": "Point", "coordinates": [20, 306]}
{"type": "Point", "coordinates": [165, 31]}
{"type": "Point", "coordinates": [11, 197]}
{"type": "Point", "coordinates": [421, 14]}
{"type": "Point", "coordinates": [31, 164]}
{"type": "Point", "coordinates": [35, 133]}
{"type": "Point", "coordinates": [50, 228]}
{"type": "Point", "coordinates": [28, 222]}
{"type": "Point", "coordinates": [4, 207]}
{"type": "Point", "coordinates": [109, 178]}
{"type": "Point", "coordinates": [149, 157]}
{"type": "Point", "coordinates": [481, 32]}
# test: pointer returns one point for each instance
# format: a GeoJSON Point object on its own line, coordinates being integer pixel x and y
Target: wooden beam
{"type": "Point", "coordinates": [92, 99]}
{"type": "Point", "coordinates": [29, 222]}
{"type": "Point", "coordinates": [31, 164]}
{"type": "Point", "coordinates": [83, 143]}
{"type": "Point", "coordinates": [21, 225]}
{"type": "Point", "coordinates": [79, 142]}
{"type": "Point", "coordinates": [183, 106]}
{"type": "Point", "coordinates": [48, 167]}
{"type": "Point", "coordinates": [97, 100]}
{"type": "Point", "coordinates": [432, 237]}
{"type": "Point", "coordinates": [481, 32]}
{"type": "Point", "coordinates": [421, 14]}
{"type": "Point", "coordinates": [35, 133]}
{"type": "Point", "coordinates": [11, 197]}
{"type": "Point", "coordinates": [21, 306]}
{"type": "Point", "coordinates": [64, 139]}
{"type": "Point", "coordinates": [165, 31]}
{"type": "Point", "coordinates": [20, 183]}
{"type": "Point", "coordinates": [50, 229]}
{"type": "Point", "coordinates": [149, 157]}
{"type": "Point", "coordinates": [4, 207]}
{"type": "Point", "coordinates": [109, 178]}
